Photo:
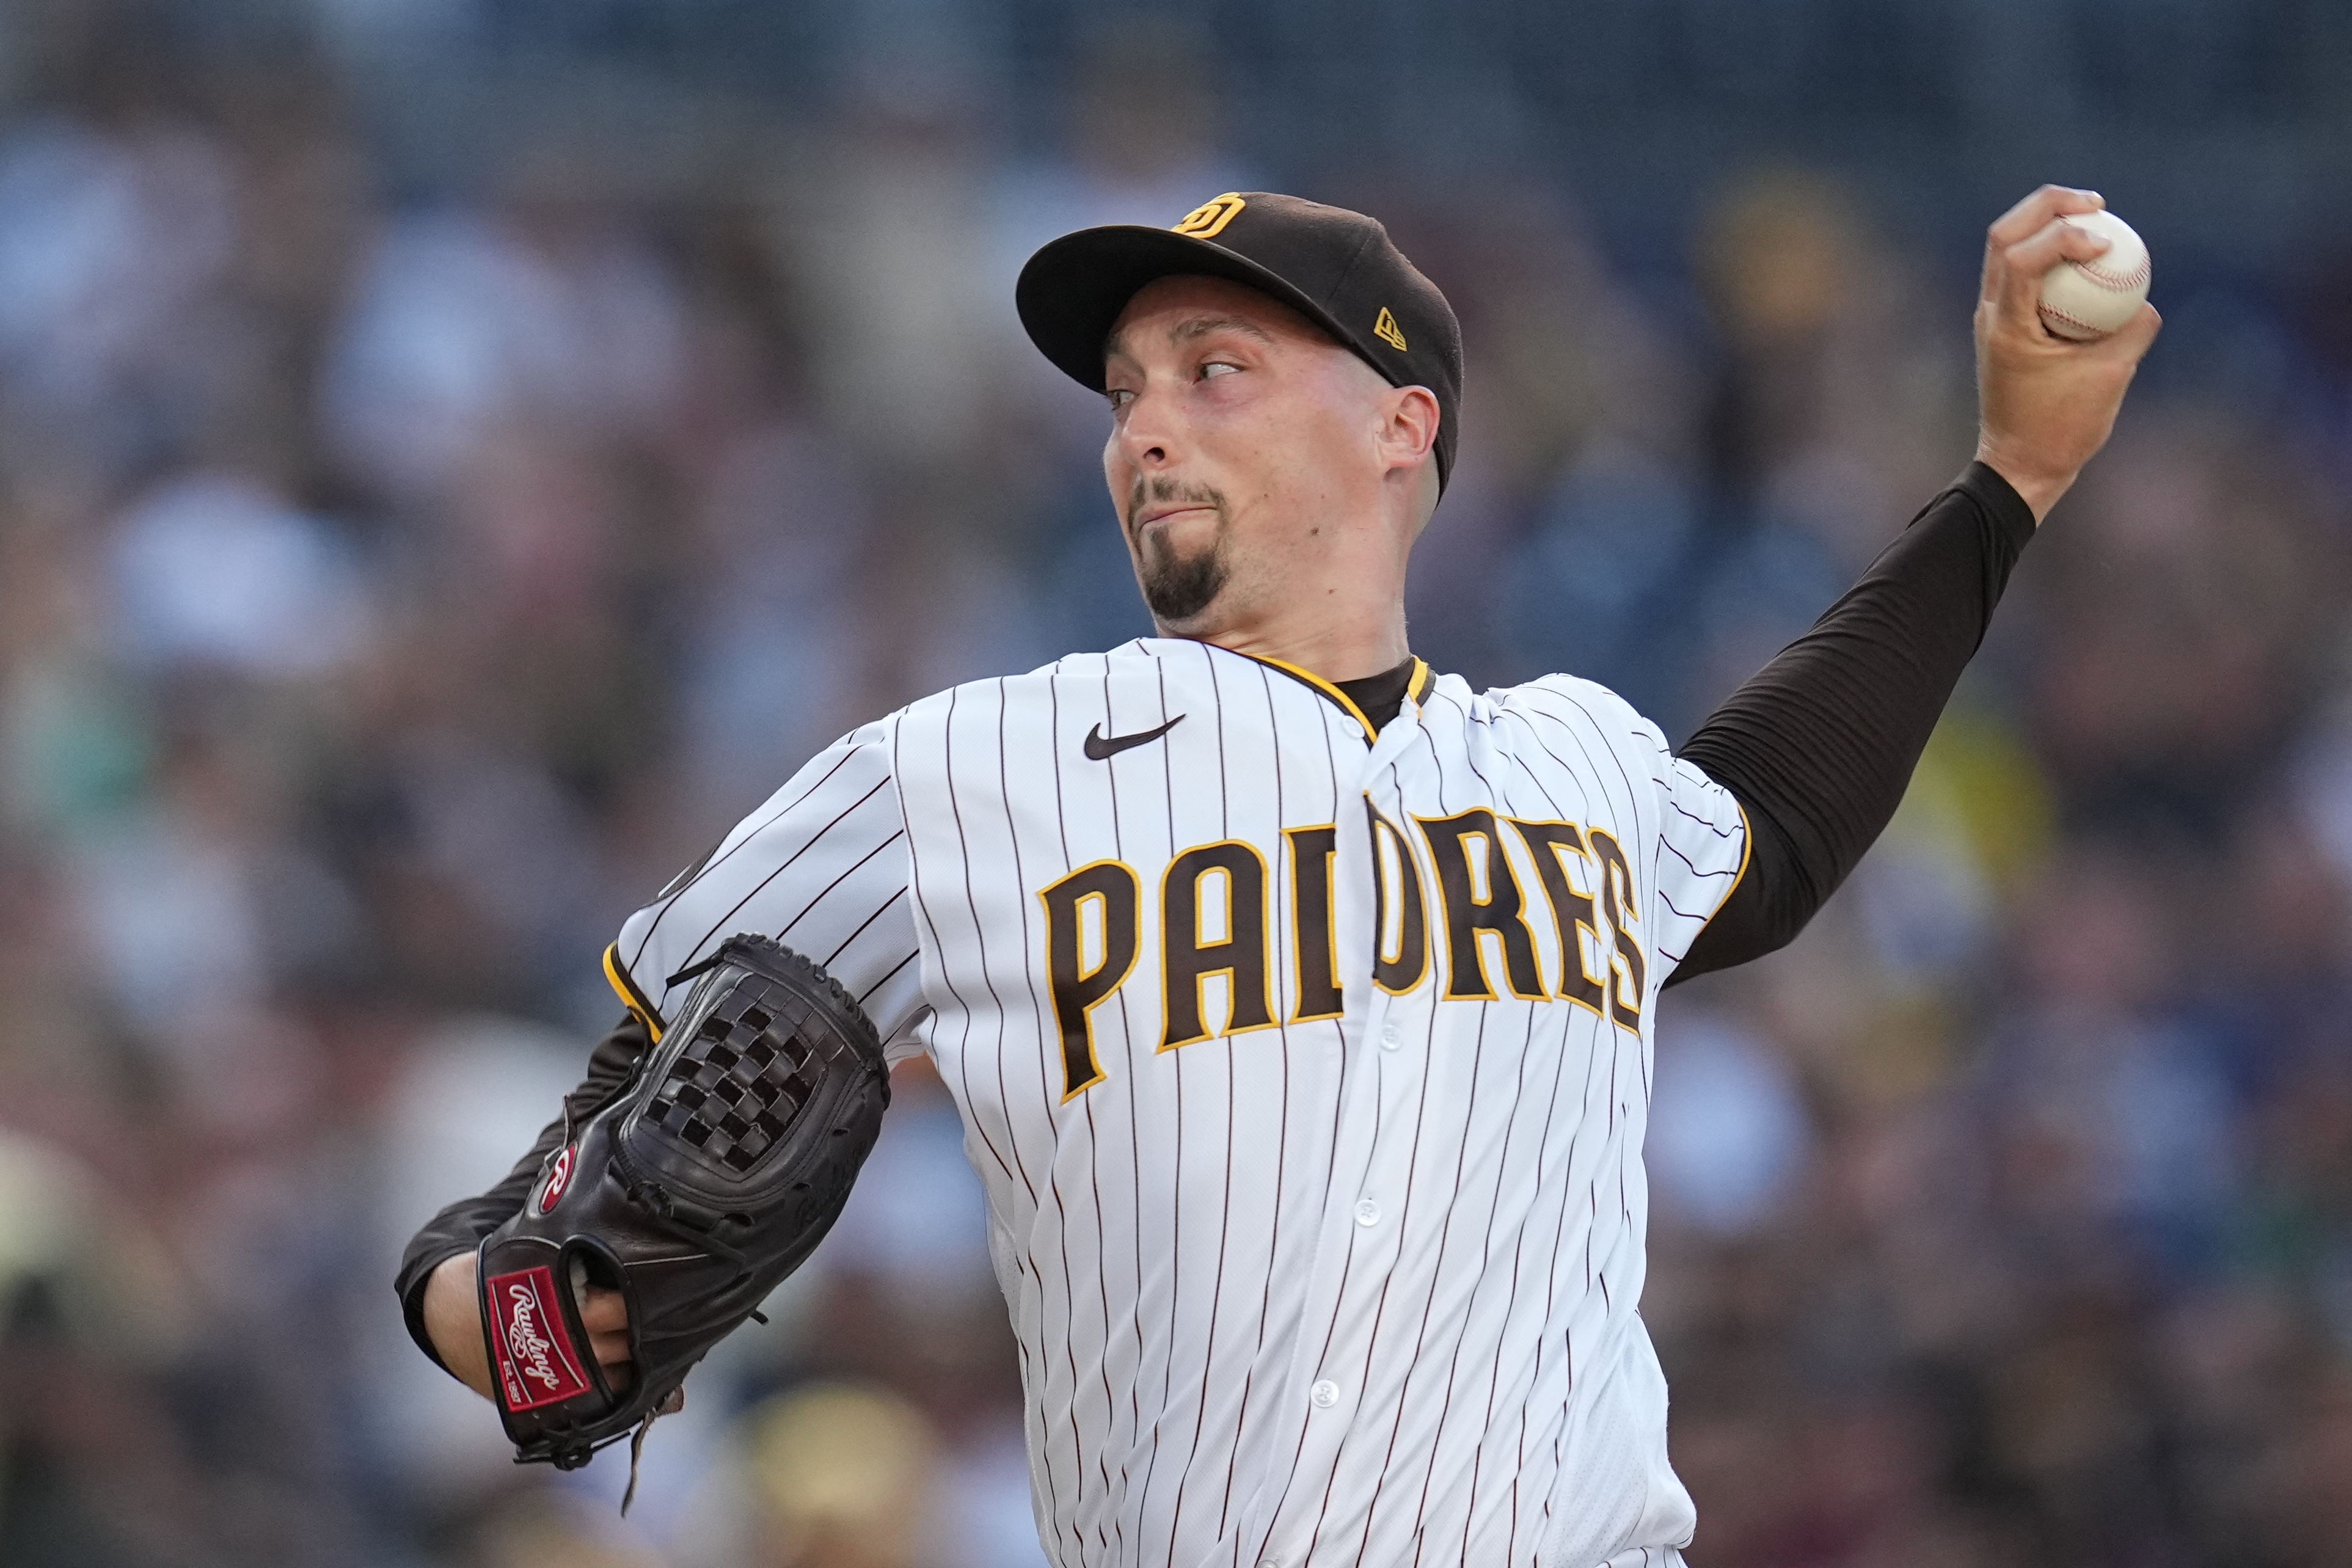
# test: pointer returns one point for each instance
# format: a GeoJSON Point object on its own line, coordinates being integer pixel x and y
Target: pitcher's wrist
{"type": "Point", "coordinates": [453, 1320]}
{"type": "Point", "coordinates": [2038, 489]}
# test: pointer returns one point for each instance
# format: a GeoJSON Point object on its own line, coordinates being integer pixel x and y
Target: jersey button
{"type": "Point", "coordinates": [1325, 1394]}
{"type": "Point", "coordinates": [1366, 1212]}
{"type": "Point", "coordinates": [1390, 1038]}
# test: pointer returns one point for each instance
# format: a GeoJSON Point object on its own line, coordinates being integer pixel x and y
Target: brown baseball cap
{"type": "Point", "coordinates": [1340, 269]}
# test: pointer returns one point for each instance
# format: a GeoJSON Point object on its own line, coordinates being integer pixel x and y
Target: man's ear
{"type": "Point", "coordinates": [1408, 444]}
{"type": "Point", "coordinates": [1409, 430]}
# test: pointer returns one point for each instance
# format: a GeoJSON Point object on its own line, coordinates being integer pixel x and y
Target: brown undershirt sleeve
{"type": "Point", "coordinates": [1818, 746]}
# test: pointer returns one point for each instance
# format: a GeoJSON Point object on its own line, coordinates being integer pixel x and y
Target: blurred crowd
{"type": "Point", "coordinates": [397, 586]}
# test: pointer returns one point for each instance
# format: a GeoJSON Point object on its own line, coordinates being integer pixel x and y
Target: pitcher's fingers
{"type": "Point", "coordinates": [2036, 210]}
{"type": "Point", "coordinates": [603, 1311]}
{"type": "Point", "coordinates": [2028, 217]}
{"type": "Point", "coordinates": [2130, 341]}
{"type": "Point", "coordinates": [611, 1349]}
{"type": "Point", "coordinates": [2020, 266]}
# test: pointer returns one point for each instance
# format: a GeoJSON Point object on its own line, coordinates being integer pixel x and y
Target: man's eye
{"type": "Point", "coordinates": [1214, 367]}
{"type": "Point", "coordinates": [1120, 397]}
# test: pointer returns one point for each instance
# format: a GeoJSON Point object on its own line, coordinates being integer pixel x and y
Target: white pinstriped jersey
{"type": "Point", "coordinates": [1307, 1078]}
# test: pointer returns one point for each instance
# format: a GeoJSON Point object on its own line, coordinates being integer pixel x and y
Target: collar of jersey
{"type": "Point", "coordinates": [1416, 690]}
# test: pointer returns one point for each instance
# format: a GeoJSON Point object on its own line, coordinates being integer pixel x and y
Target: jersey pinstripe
{"type": "Point", "coordinates": [1307, 1078]}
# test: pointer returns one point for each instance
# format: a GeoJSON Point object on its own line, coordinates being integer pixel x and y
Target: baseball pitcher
{"type": "Point", "coordinates": [1298, 999]}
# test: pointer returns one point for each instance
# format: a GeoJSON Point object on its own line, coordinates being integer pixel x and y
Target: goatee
{"type": "Point", "coordinates": [1178, 587]}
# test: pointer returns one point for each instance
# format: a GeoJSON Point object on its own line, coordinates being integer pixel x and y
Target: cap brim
{"type": "Point", "coordinates": [1072, 292]}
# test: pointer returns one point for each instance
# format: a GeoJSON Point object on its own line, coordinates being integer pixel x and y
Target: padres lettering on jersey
{"type": "Point", "coordinates": [1307, 1077]}
{"type": "Point", "coordinates": [1212, 926]}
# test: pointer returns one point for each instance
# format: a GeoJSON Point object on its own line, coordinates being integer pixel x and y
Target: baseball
{"type": "Point", "coordinates": [2084, 301]}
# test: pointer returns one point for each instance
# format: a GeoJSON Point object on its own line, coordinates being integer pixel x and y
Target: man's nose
{"type": "Point", "coordinates": [1149, 436]}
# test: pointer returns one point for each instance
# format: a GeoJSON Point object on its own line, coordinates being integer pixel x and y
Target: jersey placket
{"type": "Point", "coordinates": [1361, 1228]}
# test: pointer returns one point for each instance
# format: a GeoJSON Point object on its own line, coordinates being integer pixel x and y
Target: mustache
{"type": "Point", "coordinates": [1162, 489]}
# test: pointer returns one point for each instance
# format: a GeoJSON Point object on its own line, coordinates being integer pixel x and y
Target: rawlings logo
{"type": "Point", "coordinates": [558, 1178]}
{"type": "Point", "coordinates": [537, 1364]}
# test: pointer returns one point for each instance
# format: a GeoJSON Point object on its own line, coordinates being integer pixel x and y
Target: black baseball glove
{"type": "Point", "coordinates": [708, 1176]}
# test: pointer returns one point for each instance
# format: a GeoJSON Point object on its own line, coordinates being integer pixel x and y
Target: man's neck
{"type": "Point", "coordinates": [1335, 653]}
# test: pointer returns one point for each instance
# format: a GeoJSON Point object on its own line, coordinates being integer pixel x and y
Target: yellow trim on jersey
{"type": "Point", "coordinates": [1747, 853]}
{"type": "Point", "coordinates": [1423, 682]}
{"type": "Point", "coordinates": [1345, 703]}
{"type": "Point", "coordinates": [631, 997]}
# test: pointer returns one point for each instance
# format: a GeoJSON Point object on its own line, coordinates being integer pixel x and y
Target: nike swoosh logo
{"type": "Point", "coordinates": [1100, 747]}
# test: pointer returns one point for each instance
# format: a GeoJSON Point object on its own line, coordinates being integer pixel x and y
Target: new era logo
{"type": "Point", "coordinates": [1387, 330]}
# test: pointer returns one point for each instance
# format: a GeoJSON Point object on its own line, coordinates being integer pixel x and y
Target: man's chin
{"type": "Point", "coordinates": [1183, 613]}
{"type": "Point", "coordinates": [1181, 592]}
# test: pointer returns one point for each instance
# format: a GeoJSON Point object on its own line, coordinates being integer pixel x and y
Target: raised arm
{"type": "Point", "coordinates": [1819, 745]}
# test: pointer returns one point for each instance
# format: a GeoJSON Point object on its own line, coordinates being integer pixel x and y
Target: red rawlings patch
{"type": "Point", "coordinates": [557, 1180]}
{"type": "Point", "coordinates": [537, 1364]}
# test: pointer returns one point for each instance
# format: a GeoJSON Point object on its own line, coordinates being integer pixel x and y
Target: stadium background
{"type": "Point", "coordinates": [457, 456]}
